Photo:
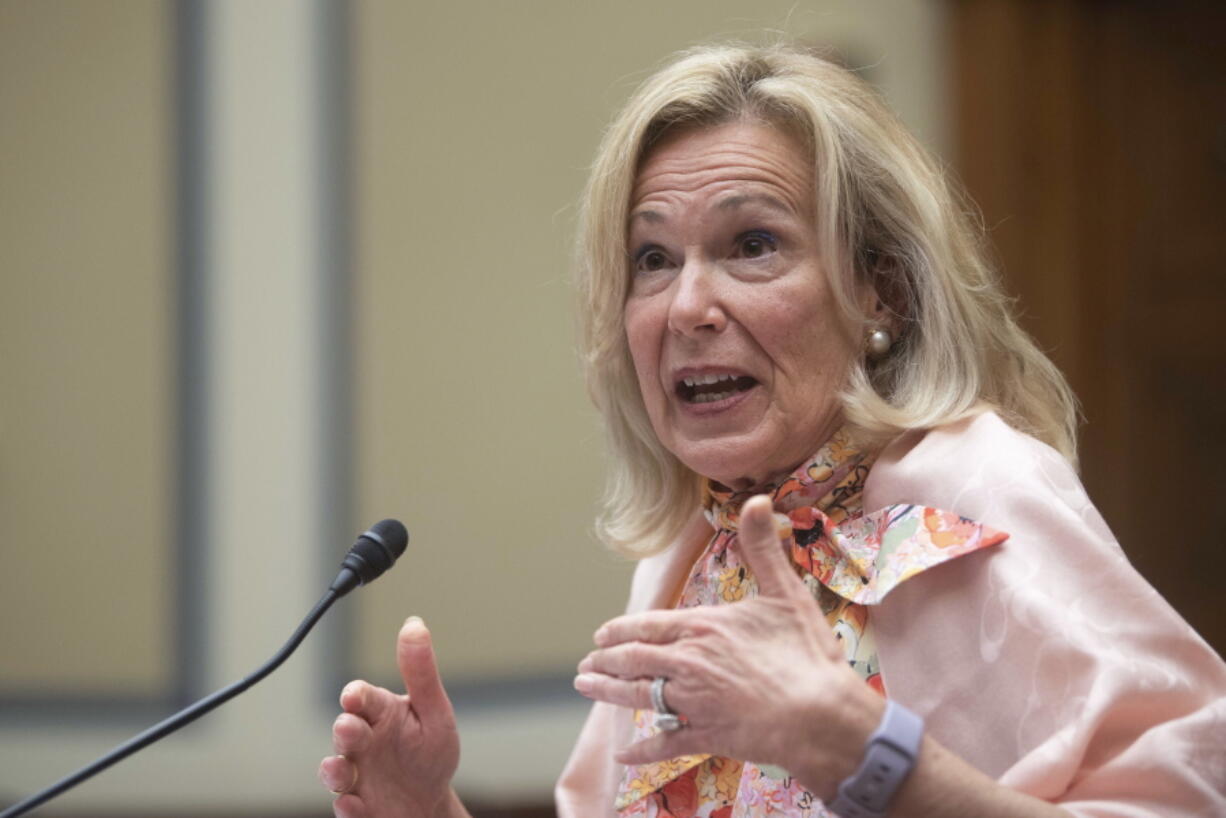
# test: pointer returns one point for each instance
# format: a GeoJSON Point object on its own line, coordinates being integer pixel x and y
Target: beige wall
{"type": "Point", "coordinates": [473, 124]}
{"type": "Point", "coordinates": [86, 348]}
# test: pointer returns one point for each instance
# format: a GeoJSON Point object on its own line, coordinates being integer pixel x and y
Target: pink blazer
{"type": "Point", "coordinates": [1048, 662]}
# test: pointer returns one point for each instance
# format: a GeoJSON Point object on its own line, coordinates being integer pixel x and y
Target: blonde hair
{"type": "Point", "coordinates": [885, 216]}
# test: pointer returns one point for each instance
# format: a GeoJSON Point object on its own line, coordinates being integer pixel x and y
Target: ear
{"type": "Point", "coordinates": [878, 313]}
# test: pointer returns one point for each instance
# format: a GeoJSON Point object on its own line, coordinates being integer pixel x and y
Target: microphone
{"type": "Point", "coordinates": [374, 552]}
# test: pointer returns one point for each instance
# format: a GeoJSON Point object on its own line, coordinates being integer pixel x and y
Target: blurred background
{"type": "Point", "coordinates": [270, 271]}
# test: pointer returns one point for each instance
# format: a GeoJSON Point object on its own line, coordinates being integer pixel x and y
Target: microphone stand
{"type": "Point", "coordinates": [184, 716]}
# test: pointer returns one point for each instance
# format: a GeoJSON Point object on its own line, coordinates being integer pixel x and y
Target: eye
{"type": "Point", "coordinates": [755, 244]}
{"type": "Point", "coordinates": [650, 259]}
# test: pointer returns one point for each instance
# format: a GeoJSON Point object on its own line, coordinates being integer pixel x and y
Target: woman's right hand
{"type": "Point", "coordinates": [396, 754]}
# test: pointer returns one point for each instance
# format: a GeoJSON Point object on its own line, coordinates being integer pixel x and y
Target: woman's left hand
{"type": "Point", "coordinates": [763, 679]}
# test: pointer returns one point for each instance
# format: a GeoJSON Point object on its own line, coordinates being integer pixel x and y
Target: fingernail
{"type": "Point", "coordinates": [353, 689]}
{"type": "Point", "coordinates": [585, 664]}
{"type": "Point", "coordinates": [415, 620]}
{"type": "Point", "coordinates": [326, 775]}
{"type": "Point", "coordinates": [756, 511]}
{"type": "Point", "coordinates": [600, 636]}
{"type": "Point", "coordinates": [585, 683]}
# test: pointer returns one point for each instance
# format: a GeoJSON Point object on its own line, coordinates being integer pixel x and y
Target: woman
{"type": "Point", "coordinates": [782, 298]}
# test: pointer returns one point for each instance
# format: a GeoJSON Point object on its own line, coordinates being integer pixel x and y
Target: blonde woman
{"type": "Point", "coordinates": [870, 581]}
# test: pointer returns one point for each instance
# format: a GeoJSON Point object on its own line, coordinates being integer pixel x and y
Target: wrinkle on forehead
{"type": "Point", "coordinates": [728, 156]}
{"type": "Point", "coordinates": [727, 203]}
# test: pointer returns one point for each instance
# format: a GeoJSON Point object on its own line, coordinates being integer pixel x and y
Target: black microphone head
{"type": "Point", "coordinates": [392, 534]}
{"type": "Point", "coordinates": [374, 552]}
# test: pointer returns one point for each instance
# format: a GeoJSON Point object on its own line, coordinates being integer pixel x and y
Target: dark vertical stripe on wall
{"type": "Point", "coordinates": [191, 528]}
{"type": "Point", "coordinates": [332, 87]}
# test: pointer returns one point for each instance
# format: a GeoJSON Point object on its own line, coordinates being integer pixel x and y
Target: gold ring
{"type": "Point", "coordinates": [352, 784]}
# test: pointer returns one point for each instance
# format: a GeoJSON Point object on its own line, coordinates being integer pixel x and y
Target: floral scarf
{"type": "Point", "coordinates": [849, 560]}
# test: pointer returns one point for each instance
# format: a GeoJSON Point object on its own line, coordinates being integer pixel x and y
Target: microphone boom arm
{"type": "Point", "coordinates": [185, 716]}
{"type": "Point", "coordinates": [375, 551]}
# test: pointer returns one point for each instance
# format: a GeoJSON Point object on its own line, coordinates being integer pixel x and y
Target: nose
{"type": "Point", "coordinates": [696, 307]}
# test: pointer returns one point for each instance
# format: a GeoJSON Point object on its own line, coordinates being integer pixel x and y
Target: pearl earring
{"type": "Point", "coordinates": [879, 343]}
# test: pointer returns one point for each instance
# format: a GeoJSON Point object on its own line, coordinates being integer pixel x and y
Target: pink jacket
{"type": "Point", "coordinates": [1047, 662]}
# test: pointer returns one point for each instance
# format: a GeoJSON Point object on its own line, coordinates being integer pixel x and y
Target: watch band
{"type": "Point", "coordinates": [889, 756]}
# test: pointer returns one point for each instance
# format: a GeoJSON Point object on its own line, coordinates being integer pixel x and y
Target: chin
{"type": "Point", "coordinates": [734, 466]}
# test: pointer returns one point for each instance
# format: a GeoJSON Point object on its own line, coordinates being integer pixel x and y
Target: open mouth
{"type": "Point", "coordinates": [712, 388]}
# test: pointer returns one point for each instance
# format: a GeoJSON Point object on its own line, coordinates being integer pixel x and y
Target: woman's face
{"type": "Point", "coordinates": [738, 346]}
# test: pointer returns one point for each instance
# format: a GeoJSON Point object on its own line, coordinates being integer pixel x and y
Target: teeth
{"type": "Point", "coordinates": [711, 397]}
{"type": "Point", "coordinates": [704, 380]}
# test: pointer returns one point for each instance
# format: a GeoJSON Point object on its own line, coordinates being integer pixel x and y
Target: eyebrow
{"type": "Point", "coordinates": [742, 199]}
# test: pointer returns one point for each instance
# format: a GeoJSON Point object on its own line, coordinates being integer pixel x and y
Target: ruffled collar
{"type": "Point", "coordinates": [830, 481]}
{"type": "Point", "coordinates": [859, 556]}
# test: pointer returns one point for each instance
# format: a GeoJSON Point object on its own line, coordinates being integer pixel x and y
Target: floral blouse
{"type": "Point", "coordinates": [849, 560]}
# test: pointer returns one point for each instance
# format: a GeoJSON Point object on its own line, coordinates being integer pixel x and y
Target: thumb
{"type": "Point", "coordinates": [419, 670]}
{"type": "Point", "coordinates": [762, 549]}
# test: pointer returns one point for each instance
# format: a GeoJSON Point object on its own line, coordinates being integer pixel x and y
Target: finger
{"type": "Point", "coordinates": [338, 774]}
{"type": "Point", "coordinates": [368, 702]}
{"type": "Point", "coordinates": [660, 747]}
{"type": "Point", "coordinates": [419, 669]}
{"type": "Point", "coordinates": [657, 627]}
{"type": "Point", "coordinates": [349, 806]}
{"type": "Point", "coordinates": [633, 660]}
{"type": "Point", "coordinates": [350, 734]}
{"type": "Point", "coordinates": [601, 688]}
{"type": "Point", "coordinates": [763, 550]}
